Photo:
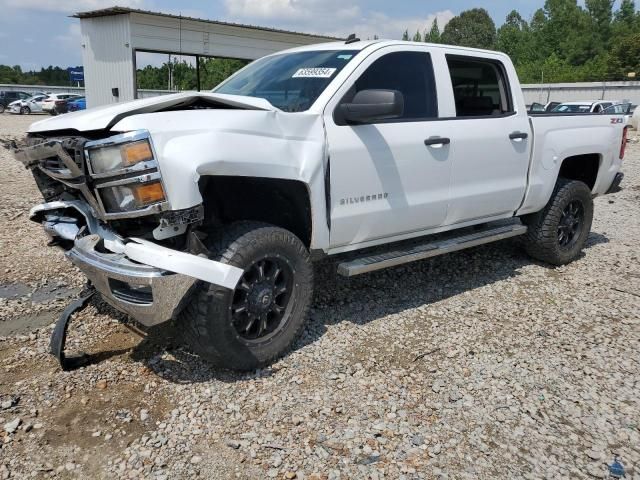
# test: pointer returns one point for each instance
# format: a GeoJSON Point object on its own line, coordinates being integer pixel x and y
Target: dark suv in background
{"type": "Point", "coordinates": [8, 96]}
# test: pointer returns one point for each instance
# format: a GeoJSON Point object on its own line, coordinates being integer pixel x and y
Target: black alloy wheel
{"type": "Point", "coordinates": [558, 233]}
{"type": "Point", "coordinates": [259, 320]}
{"type": "Point", "coordinates": [570, 224]}
{"type": "Point", "coordinates": [261, 298]}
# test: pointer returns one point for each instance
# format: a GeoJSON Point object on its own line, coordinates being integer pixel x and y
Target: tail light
{"type": "Point", "coordinates": [623, 145]}
{"type": "Point", "coordinates": [60, 102]}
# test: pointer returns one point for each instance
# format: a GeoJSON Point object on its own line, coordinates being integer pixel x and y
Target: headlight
{"type": "Point", "coordinates": [118, 157]}
{"type": "Point", "coordinates": [134, 196]}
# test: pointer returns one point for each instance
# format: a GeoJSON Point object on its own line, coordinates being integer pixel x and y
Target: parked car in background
{"type": "Point", "coordinates": [620, 109]}
{"type": "Point", "coordinates": [9, 96]}
{"type": "Point", "coordinates": [28, 105]}
{"type": "Point", "coordinates": [540, 108]}
{"type": "Point", "coordinates": [56, 103]}
{"type": "Point", "coordinates": [584, 107]}
{"type": "Point", "coordinates": [74, 105]}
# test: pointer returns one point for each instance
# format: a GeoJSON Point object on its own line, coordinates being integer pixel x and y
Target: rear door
{"type": "Point", "coordinates": [489, 139]}
{"type": "Point", "coordinates": [384, 181]}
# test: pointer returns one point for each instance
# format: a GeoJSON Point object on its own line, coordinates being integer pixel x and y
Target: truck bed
{"type": "Point", "coordinates": [557, 137]}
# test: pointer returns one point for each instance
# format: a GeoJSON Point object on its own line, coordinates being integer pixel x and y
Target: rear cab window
{"type": "Point", "coordinates": [480, 87]}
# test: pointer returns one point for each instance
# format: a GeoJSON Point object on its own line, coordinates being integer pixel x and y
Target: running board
{"type": "Point", "coordinates": [427, 250]}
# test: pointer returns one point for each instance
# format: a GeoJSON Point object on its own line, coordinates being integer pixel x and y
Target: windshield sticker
{"type": "Point", "coordinates": [314, 73]}
{"type": "Point", "coordinates": [345, 57]}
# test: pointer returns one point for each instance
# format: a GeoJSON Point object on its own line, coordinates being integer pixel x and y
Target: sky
{"type": "Point", "coordinates": [39, 33]}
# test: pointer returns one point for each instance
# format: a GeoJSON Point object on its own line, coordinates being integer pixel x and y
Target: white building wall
{"type": "Point", "coordinates": [108, 59]}
{"type": "Point", "coordinates": [192, 37]}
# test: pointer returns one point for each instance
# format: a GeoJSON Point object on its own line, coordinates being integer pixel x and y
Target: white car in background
{"type": "Point", "coordinates": [584, 107]}
{"type": "Point", "coordinates": [49, 104]}
{"type": "Point", "coordinates": [28, 105]}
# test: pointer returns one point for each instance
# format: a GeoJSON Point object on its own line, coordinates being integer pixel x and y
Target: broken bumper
{"type": "Point", "coordinates": [150, 295]}
{"type": "Point", "coordinates": [140, 278]}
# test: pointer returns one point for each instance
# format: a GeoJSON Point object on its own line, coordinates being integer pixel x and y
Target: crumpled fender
{"type": "Point", "coordinates": [252, 143]}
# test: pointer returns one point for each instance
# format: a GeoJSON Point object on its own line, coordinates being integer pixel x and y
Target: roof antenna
{"type": "Point", "coordinates": [352, 39]}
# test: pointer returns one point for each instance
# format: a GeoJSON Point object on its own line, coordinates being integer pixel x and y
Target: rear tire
{"type": "Point", "coordinates": [251, 326]}
{"type": "Point", "coordinates": [558, 232]}
{"type": "Point", "coordinates": [1, 108]}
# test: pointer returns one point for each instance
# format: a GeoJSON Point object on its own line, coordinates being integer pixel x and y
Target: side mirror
{"type": "Point", "coordinates": [370, 106]}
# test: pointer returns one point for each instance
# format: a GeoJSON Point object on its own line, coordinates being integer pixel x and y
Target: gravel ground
{"type": "Point", "coordinates": [480, 364]}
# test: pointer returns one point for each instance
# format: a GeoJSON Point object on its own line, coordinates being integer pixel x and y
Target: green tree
{"type": "Point", "coordinates": [434, 34]}
{"type": "Point", "coordinates": [627, 12]}
{"type": "Point", "coordinates": [626, 20]}
{"type": "Point", "coordinates": [472, 28]}
{"type": "Point", "coordinates": [600, 16]}
{"type": "Point", "coordinates": [417, 37]}
{"type": "Point", "coordinates": [515, 39]}
{"type": "Point", "coordinates": [405, 35]}
{"type": "Point", "coordinates": [625, 57]}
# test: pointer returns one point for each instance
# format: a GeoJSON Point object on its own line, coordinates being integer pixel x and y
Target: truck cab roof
{"type": "Point", "coordinates": [380, 43]}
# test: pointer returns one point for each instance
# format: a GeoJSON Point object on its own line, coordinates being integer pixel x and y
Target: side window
{"type": "Point", "coordinates": [480, 87]}
{"type": "Point", "coordinates": [411, 73]}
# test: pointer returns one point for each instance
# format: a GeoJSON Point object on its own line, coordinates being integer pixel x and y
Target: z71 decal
{"type": "Point", "coordinates": [617, 120]}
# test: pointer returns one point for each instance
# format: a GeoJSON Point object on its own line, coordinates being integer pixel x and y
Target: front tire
{"type": "Point", "coordinates": [25, 111]}
{"type": "Point", "coordinates": [557, 234]}
{"type": "Point", "coordinates": [251, 326]}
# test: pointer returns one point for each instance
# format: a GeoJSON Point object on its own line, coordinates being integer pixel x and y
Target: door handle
{"type": "Point", "coordinates": [518, 135]}
{"type": "Point", "coordinates": [437, 141]}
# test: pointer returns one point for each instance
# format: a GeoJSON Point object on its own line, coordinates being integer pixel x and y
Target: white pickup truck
{"type": "Point", "coordinates": [209, 208]}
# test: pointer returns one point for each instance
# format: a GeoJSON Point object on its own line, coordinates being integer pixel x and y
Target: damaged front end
{"type": "Point", "coordinates": [106, 206]}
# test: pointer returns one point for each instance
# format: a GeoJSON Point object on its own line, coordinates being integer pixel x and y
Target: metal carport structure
{"type": "Point", "coordinates": [112, 36]}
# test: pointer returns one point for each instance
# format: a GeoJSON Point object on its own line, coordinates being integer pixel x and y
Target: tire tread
{"type": "Point", "coordinates": [227, 246]}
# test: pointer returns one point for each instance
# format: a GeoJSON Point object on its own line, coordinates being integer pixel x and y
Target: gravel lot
{"type": "Point", "coordinates": [480, 364]}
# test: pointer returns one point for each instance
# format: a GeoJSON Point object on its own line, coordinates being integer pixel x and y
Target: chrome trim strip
{"type": "Point", "coordinates": [147, 177]}
{"type": "Point", "coordinates": [138, 167]}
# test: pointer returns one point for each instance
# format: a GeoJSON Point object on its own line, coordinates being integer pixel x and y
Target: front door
{"type": "Point", "coordinates": [384, 180]}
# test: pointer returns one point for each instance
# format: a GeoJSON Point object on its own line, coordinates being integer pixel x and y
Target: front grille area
{"type": "Point", "coordinates": [74, 146]}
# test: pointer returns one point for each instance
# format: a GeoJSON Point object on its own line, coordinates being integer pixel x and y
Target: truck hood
{"type": "Point", "coordinates": [105, 117]}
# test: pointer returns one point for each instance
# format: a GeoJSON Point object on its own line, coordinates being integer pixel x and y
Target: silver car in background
{"type": "Point", "coordinates": [28, 105]}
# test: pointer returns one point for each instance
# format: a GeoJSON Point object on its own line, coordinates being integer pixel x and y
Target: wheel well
{"type": "Point", "coordinates": [581, 167]}
{"type": "Point", "coordinates": [284, 203]}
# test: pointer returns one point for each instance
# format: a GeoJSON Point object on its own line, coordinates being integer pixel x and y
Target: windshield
{"type": "Point", "coordinates": [572, 108]}
{"type": "Point", "coordinates": [291, 81]}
